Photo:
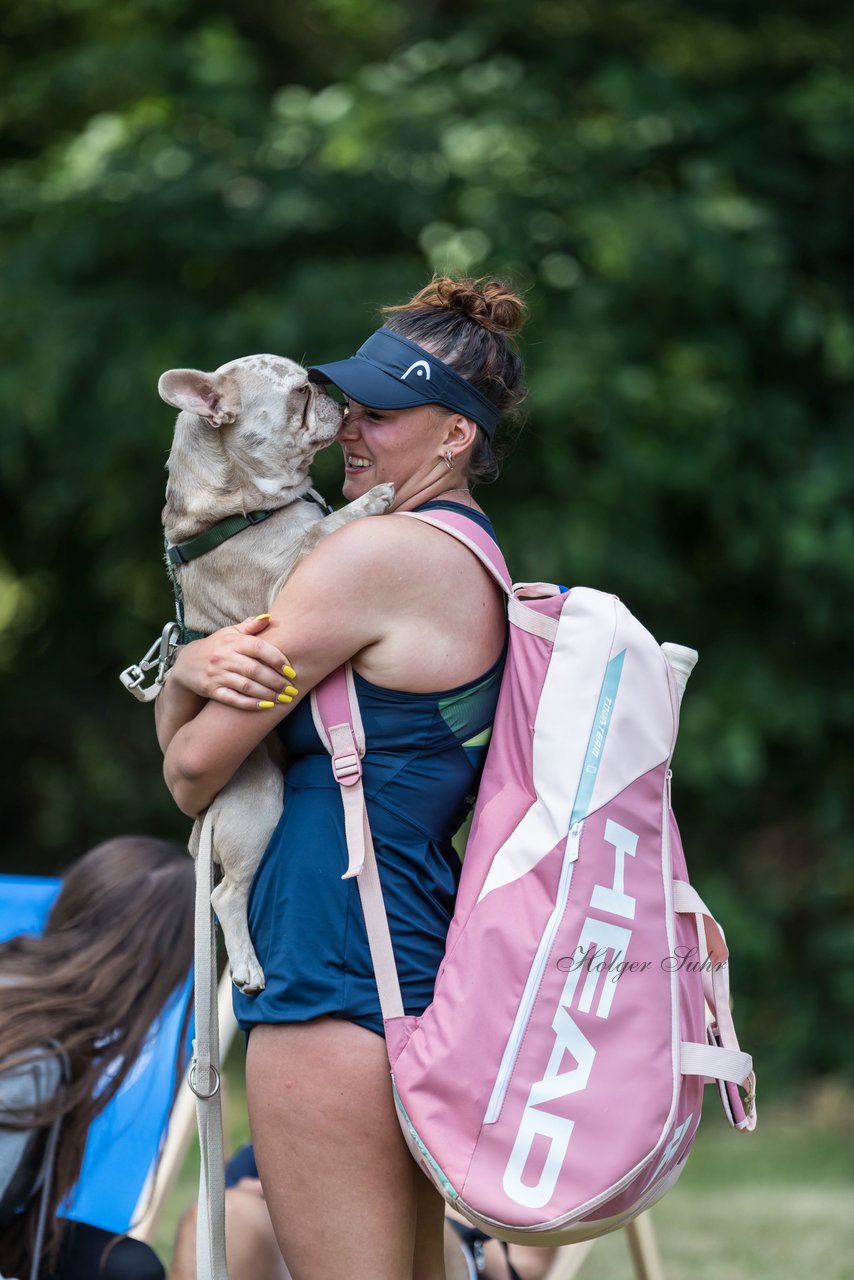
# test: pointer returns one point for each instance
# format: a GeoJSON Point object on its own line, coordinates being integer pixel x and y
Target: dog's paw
{"type": "Point", "coordinates": [248, 977]}
{"type": "Point", "coordinates": [247, 974]}
{"type": "Point", "coordinates": [378, 500]}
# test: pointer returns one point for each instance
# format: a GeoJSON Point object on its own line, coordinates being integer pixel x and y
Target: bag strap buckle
{"type": "Point", "coordinates": [347, 768]}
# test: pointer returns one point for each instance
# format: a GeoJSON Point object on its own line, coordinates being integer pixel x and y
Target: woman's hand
{"type": "Point", "coordinates": [237, 667]}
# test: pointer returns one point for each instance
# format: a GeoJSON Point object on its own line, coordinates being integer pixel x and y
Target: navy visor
{"type": "Point", "coordinates": [390, 372]}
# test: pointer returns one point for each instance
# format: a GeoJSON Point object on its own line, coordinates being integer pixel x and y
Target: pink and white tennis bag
{"type": "Point", "coordinates": [553, 1088]}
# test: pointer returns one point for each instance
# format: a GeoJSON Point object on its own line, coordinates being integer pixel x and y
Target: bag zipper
{"type": "Point", "coordinates": [512, 1050]}
{"type": "Point", "coordinates": [532, 985]}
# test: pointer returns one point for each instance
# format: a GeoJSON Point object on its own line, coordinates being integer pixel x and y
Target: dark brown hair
{"type": "Point", "coordinates": [470, 325]}
{"type": "Point", "coordinates": [118, 942]}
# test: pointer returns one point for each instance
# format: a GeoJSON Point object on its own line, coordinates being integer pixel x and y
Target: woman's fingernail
{"type": "Point", "coordinates": [289, 688]}
{"type": "Point", "coordinates": [261, 617]}
{"type": "Point", "coordinates": [289, 672]}
{"type": "Point", "coordinates": [283, 697]}
{"type": "Point", "coordinates": [265, 706]}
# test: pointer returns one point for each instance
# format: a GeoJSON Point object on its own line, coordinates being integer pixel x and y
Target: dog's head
{"type": "Point", "coordinates": [259, 415]}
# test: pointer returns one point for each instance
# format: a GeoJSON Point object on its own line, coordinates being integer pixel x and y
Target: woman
{"type": "Point", "coordinates": [415, 612]}
{"type": "Point", "coordinates": [118, 942]}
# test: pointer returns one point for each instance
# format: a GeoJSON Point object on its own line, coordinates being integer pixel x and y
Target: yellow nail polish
{"type": "Point", "coordinates": [289, 688]}
{"type": "Point", "coordinates": [289, 672]}
{"type": "Point", "coordinates": [283, 697]}
{"type": "Point", "coordinates": [261, 617]}
{"type": "Point", "coordinates": [265, 706]}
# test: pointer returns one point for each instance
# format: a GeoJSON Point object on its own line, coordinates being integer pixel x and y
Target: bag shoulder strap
{"type": "Point", "coordinates": [338, 720]}
{"type": "Point", "coordinates": [473, 536]}
{"type": "Point", "coordinates": [721, 1058]}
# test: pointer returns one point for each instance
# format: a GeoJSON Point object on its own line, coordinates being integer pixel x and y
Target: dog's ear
{"type": "Point", "coordinates": [215, 396]}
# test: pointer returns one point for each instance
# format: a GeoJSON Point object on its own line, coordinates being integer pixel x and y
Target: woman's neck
{"type": "Point", "coordinates": [432, 493]}
{"type": "Point", "coordinates": [463, 497]}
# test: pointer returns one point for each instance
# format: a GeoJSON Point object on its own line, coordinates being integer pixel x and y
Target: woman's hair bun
{"type": "Point", "coordinates": [489, 302]}
{"type": "Point", "coordinates": [470, 325]}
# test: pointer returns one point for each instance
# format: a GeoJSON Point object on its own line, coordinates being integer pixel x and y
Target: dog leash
{"type": "Point", "coordinates": [204, 1074]}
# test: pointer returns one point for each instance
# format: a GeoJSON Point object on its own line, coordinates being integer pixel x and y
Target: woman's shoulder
{"type": "Point", "coordinates": [371, 542]}
{"type": "Point", "coordinates": [376, 558]}
{"type": "Point", "coordinates": [358, 565]}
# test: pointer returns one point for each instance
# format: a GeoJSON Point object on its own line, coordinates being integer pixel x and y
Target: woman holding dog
{"type": "Point", "coordinates": [416, 613]}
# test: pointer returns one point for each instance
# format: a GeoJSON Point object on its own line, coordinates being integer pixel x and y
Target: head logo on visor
{"type": "Point", "coordinates": [390, 372]}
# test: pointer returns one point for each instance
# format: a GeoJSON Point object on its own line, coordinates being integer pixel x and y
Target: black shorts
{"type": "Point", "coordinates": [85, 1255]}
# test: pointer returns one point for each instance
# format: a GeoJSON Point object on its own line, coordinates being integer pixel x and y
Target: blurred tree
{"type": "Point", "coordinates": [671, 184]}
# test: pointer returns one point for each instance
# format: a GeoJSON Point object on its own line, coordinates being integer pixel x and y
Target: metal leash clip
{"type": "Point", "coordinates": [191, 1081]}
{"type": "Point", "coordinates": [161, 655]}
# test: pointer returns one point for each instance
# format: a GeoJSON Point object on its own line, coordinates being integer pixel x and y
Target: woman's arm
{"type": "Point", "coordinates": [175, 706]}
{"type": "Point", "coordinates": [336, 604]}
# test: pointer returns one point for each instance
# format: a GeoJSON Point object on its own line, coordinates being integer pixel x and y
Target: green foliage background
{"type": "Point", "coordinates": [671, 185]}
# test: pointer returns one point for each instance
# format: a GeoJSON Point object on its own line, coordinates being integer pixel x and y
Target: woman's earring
{"type": "Point", "coordinates": [449, 459]}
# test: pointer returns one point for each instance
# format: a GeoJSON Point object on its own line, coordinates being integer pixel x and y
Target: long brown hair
{"type": "Point", "coordinates": [470, 325]}
{"type": "Point", "coordinates": [118, 942]}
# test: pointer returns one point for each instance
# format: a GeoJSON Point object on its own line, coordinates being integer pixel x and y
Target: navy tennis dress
{"type": "Point", "coordinates": [422, 764]}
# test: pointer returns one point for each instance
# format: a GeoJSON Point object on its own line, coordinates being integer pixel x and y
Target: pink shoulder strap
{"type": "Point", "coordinates": [335, 710]}
{"type": "Point", "coordinates": [470, 533]}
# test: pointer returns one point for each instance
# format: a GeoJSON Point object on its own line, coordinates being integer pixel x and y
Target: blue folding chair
{"type": "Point", "coordinates": [125, 1139]}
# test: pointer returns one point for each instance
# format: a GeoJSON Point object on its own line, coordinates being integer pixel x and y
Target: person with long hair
{"type": "Point", "coordinates": [424, 626]}
{"type": "Point", "coordinates": [85, 992]}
